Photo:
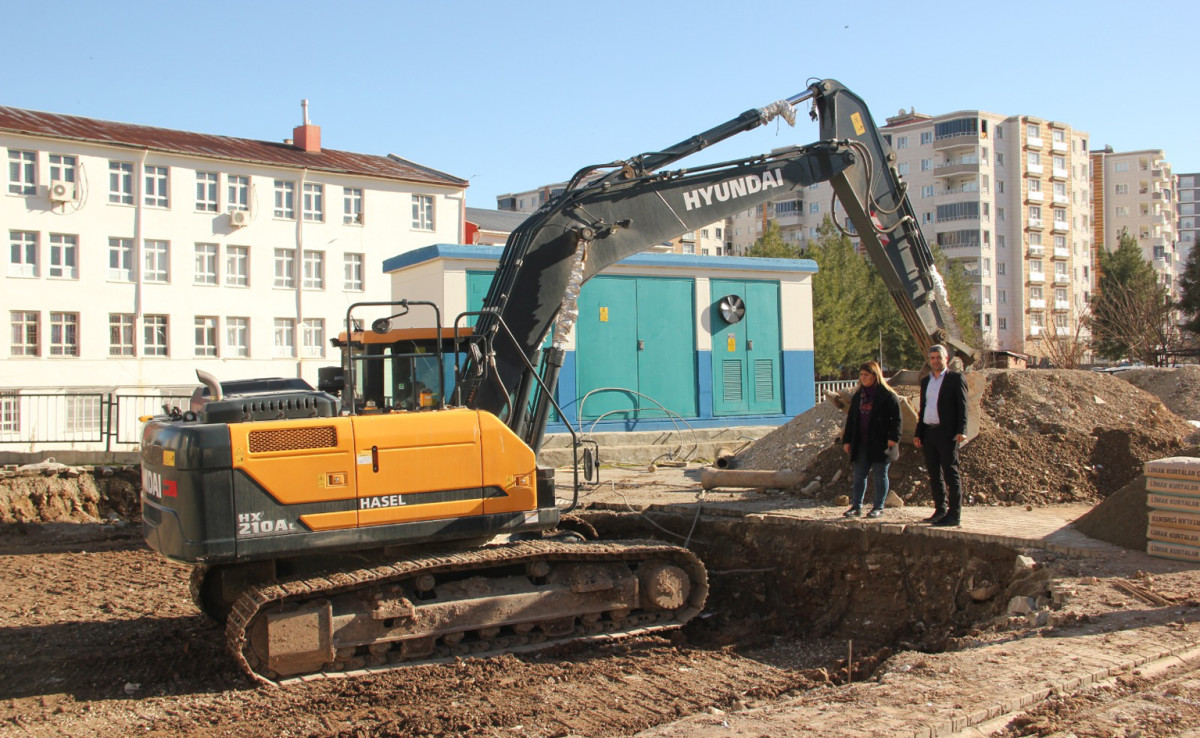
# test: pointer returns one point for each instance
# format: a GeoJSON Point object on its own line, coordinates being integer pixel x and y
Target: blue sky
{"type": "Point", "coordinates": [513, 95]}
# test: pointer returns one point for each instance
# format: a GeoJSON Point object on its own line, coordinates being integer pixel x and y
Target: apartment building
{"type": "Point", "coordinates": [707, 241]}
{"type": "Point", "coordinates": [1188, 210]}
{"type": "Point", "coordinates": [1006, 198]}
{"type": "Point", "coordinates": [1134, 192]}
{"type": "Point", "coordinates": [139, 255]}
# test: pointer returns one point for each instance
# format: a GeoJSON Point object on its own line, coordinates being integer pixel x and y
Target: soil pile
{"type": "Point", "coordinates": [64, 494]}
{"type": "Point", "coordinates": [1046, 436]}
{"type": "Point", "coordinates": [796, 444]}
{"type": "Point", "coordinates": [1178, 387]}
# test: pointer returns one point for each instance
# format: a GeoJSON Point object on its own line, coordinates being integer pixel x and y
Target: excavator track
{"type": "Point", "coordinates": [436, 607]}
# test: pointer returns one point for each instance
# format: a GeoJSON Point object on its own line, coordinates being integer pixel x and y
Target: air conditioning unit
{"type": "Point", "coordinates": [61, 191]}
{"type": "Point", "coordinates": [239, 218]}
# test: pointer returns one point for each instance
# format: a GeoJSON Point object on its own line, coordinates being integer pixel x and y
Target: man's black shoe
{"type": "Point", "coordinates": [853, 512]}
{"type": "Point", "coordinates": [935, 517]}
{"type": "Point", "coordinates": [946, 522]}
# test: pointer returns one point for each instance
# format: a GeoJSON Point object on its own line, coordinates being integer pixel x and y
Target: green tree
{"type": "Point", "coordinates": [963, 307]}
{"type": "Point", "coordinates": [1189, 290]}
{"type": "Point", "coordinates": [772, 246]}
{"type": "Point", "coordinates": [1127, 304]}
{"type": "Point", "coordinates": [843, 335]}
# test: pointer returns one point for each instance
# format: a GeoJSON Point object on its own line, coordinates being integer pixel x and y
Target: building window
{"type": "Point", "coordinates": [22, 172]}
{"type": "Point", "coordinates": [237, 266]}
{"type": "Point", "coordinates": [83, 414]}
{"type": "Point", "coordinates": [1032, 130]}
{"type": "Point", "coordinates": [62, 168]}
{"type": "Point", "coordinates": [1060, 216]}
{"type": "Point", "coordinates": [1122, 189]}
{"type": "Point", "coordinates": [352, 272]}
{"type": "Point", "coordinates": [314, 336]}
{"type": "Point", "coordinates": [64, 334]}
{"type": "Point", "coordinates": [926, 137]}
{"type": "Point", "coordinates": [1060, 163]}
{"type": "Point", "coordinates": [206, 191]}
{"type": "Point", "coordinates": [64, 256]}
{"type": "Point", "coordinates": [206, 335]}
{"type": "Point", "coordinates": [154, 335]}
{"type": "Point", "coordinates": [23, 254]}
{"type": "Point", "coordinates": [1001, 266]}
{"type": "Point", "coordinates": [314, 202]}
{"type": "Point", "coordinates": [285, 199]}
{"type": "Point", "coordinates": [926, 165]}
{"type": "Point", "coordinates": [352, 205]}
{"type": "Point", "coordinates": [1033, 158]}
{"type": "Point", "coordinates": [814, 208]}
{"type": "Point", "coordinates": [1035, 185]}
{"type": "Point", "coordinates": [120, 182]}
{"type": "Point", "coordinates": [1120, 166]}
{"type": "Point", "coordinates": [314, 270]}
{"type": "Point", "coordinates": [1002, 296]}
{"type": "Point", "coordinates": [238, 191]}
{"type": "Point", "coordinates": [237, 337]}
{"type": "Point", "coordinates": [1122, 211]}
{"type": "Point", "coordinates": [422, 211]}
{"type": "Point", "coordinates": [285, 337]}
{"type": "Point", "coordinates": [285, 268]}
{"type": "Point", "coordinates": [24, 333]}
{"type": "Point", "coordinates": [901, 142]}
{"type": "Point", "coordinates": [157, 261]}
{"type": "Point", "coordinates": [1035, 213]}
{"type": "Point", "coordinates": [206, 264]}
{"type": "Point", "coordinates": [1003, 324]}
{"type": "Point", "coordinates": [157, 187]}
{"type": "Point", "coordinates": [999, 159]}
{"type": "Point", "coordinates": [120, 259]}
{"type": "Point", "coordinates": [927, 191]}
{"type": "Point", "coordinates": [120, 334]}
{"type": "Point", "coordinates": [902, 168]}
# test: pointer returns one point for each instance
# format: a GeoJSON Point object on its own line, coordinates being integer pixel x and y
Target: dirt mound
{"type": "Point", "coordinates": [795, 444]}
{"type": "Point", "coordinates": [1045, 436]}
{"type": "Point", "coordinates": [70, 495]}
{"type": "Point", "coordinates": [1177, 387]}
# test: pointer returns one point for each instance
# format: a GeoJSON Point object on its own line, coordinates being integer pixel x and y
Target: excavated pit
{"type": "Point", "coordinates": [881, 587]}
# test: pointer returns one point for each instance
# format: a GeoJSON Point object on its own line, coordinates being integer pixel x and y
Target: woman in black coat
{"type": "Point", "coordinates": [871, 437]}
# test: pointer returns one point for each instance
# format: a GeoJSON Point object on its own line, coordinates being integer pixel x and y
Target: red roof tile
{"type": "Point", "coordinates": [71, 127]}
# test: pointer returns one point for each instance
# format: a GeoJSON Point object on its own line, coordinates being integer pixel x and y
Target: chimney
{"type": "Point", "coordinates": [307, 136]}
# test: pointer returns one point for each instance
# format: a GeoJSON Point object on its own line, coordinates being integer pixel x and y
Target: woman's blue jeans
{"type": "Point", "coordinates": [877, 470]}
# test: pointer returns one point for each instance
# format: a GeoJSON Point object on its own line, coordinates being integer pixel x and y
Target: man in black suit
{"type": "Point", "coordinates": [941, 426]}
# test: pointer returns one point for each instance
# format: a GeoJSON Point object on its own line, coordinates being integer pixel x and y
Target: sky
{"type": "Point", "coordinates": [511, 96]}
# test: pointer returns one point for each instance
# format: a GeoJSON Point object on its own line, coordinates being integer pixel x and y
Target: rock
{"type": "Point", "coordinates": [1020, 605]}
{"type": "Point", "coordinates": [893, 500]}
{"type": "Point", "coordinates": [841, 500]}
{"type": "Point", "coordinates": [1023, 564]}
{"type": "Point", "coordinates": [986, 592]}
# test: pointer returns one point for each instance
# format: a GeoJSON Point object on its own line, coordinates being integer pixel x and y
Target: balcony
{"type": "Point", "coordinates": [1033, 143]}
{"type": "Point", "coordinates": [1037, 277]}
{"type": "Point", "coordinates": [956, 141]}
{"type": "Point", "coordinates": [1062, 305]}
{"type": "Point", "coordinates": [1060, 226]}
{"type": "Point", "coordinates": [1059, 147]}
{"type": "Point", "coordinates": [1061, 200]}
{"type": "Point", "coordinates": [1057, 173]}
{"type": "Point", "coordinates": [1036, 251]}
{"type": "Point", "coordinates": [1037, 303]}
{"type": "Point", "coordinates": [966, 165]}
{"type": "Point", "coordinates": [1033, 168]}
{"type": "Point", "coordinates": [1062, 279]}
{"type": "Point", "coordinates": [1060, 253]}
{"type": "Point", "coordinates": [1036, 224]}
{"type": "Point", "coordinates": [1035, 330]}
{"type": "Point", "coordinates": [1033, 196]}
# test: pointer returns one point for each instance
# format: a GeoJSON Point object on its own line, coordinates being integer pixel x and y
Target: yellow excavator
{"type": "Point", "coordinates": [396, 514]}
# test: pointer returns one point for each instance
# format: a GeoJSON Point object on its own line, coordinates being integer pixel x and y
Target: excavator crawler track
{"type": "Point", "coordinates": [436, 607]}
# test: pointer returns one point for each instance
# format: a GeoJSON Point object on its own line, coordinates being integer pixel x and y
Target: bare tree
{"type": "Point", "coordinates": [1067, 346]}
{"type": "Point", "coordinates": [1138, 318]}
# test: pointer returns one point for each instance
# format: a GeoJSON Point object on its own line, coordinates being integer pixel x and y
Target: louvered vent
{"type": "Point", "coordinates": [292, 439]}
{"type": "Point", "coordinates": [764, 384]}
{"type": "Point", "coordinates": [731, 380]}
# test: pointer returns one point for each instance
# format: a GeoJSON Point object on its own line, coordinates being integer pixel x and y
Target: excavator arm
{"type": "Point", "coordinates": [611, 211]}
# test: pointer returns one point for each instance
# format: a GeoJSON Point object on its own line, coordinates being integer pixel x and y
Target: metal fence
{"type": "Point", "coordinates": [836, 385]}
{"type": "Point", "coordinates": [93, 421]}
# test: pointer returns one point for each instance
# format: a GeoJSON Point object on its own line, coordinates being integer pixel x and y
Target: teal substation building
{"type": "Point", "coordinates": [713, 340]}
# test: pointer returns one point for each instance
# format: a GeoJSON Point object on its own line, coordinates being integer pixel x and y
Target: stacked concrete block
{"type": "Point", "coordinates": [1173, 494]}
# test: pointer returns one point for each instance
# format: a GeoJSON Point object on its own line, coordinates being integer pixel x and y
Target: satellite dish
{"type": "Point", "coordinates": [732, 308]}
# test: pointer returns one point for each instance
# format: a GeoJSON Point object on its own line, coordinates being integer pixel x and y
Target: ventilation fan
{"type": "Point", "coordinates": [732, 308]}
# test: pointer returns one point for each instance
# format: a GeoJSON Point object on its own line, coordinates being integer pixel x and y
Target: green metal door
{"type": "Point", "coordinates": [667, 346]}
{"type": "Point", "coordinates": [606, 343]}
{"type": "Point", "coordinates": [746, 353]}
